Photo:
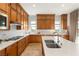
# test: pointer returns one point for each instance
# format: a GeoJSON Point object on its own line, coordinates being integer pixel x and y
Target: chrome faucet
{"type": "Point", "coordinates": [56, 34]}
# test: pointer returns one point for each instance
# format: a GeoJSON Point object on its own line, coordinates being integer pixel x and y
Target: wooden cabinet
{"type": "Point", "coordinates": [25, 21]}
{"type": "Point", "coordinates": [18, 18]}
{"type": "Point", "coordinates": [4, 7]}
{"type": "Point", "coordinates": [16, 48]}
{"type": "Point", "coordinates": [45, 21]}
{"type": "Point", "coordinates": [22, 19]}
{"type": "Point", "coordinates": [3, 52]}
{"type": "Point", "coordinates": [35, 39]}
{"type": "Point", "coordinates": [21, 46]}
{"type": "Point", "coordinates": [27, 41]}
{"type": "Point", "coordinates": [18, 13]}
{"type": "Point", "coordinates": [13, 15]}
{"type": "Point", "coordinates": [18, 8]}
{"type": "Point", "coordinates": [12, 50]}
{"type": "Point", "coordinates": [13, 5]}
{"type": "Point", "coordinates": [22, 12]}
{"type": "Point", "coordinates": [64, 21]}
{"type": "Point", "coordinates": [66, 37]}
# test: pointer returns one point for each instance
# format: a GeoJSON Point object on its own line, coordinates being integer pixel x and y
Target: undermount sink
{"type": "Point", "coordinates": [49, 41]}
{"type": "Point", "coordinates": [51, 44]}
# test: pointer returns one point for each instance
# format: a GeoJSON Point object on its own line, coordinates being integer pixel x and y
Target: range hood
{"type": "Point", "coordinates": [15, 23]}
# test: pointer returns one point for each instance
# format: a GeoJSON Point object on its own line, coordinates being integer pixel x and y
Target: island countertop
{"type": "Point", "coordinates": [68, 48]}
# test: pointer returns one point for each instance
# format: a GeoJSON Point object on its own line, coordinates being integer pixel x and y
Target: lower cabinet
{"type": "Point", "coordinates": [12, 50]}
{"type": "Point", "coordinates": [27, 41]}
{"type": "Point", "coordinates": [35, 39]}
{"type": "Point", "coordinates": [17, 48]}
{"type": "Point", "coordinates": [3, 52]}
{"type": "Point", "coordinates": [66, 37]}
{"type": "Point", "coordinates": [21, 46]}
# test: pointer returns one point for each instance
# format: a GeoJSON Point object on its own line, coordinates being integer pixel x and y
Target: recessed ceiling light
{"type": "Point", "coordinates": [34, 5]}
{"type": "Point", "coordinates": [62, 5]}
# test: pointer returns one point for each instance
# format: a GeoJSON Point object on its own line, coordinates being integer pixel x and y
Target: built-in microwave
{"type": "Point", "coordinates": [3, 21]}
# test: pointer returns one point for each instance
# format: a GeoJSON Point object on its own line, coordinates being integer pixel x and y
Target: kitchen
{"type": "Point", "coordinates": [39, 29]}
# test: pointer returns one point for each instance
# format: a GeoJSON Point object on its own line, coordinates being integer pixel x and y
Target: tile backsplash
{"type": "Point", "coordinates": [11, 33]}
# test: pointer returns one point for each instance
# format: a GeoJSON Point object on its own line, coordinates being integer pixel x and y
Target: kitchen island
{"type": "Point", "coordinates": [68, 48]}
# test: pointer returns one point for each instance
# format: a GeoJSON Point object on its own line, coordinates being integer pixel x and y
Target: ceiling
{"type": "Point", "coordinates": [48, 8]}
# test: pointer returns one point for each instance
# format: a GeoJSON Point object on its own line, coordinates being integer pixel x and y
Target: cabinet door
{"type": "Point", "coordinates": [13, 15]}
{"type": "Point", "coordinates": [64, 21]}
{"type": "Point", "coordinates": [18, 8]}
{"type": "Point", "coordinates": [13, 5]}
{"type": "Point", "coordinates": [18, 18]}
{"type": "Point", "coordinates": [27, 41]}
{"type": "Point", "coordinates": [66, 37]}
{"type": "Point", "coordinates": [12, 50]}
{"type": "Point", "coordinates": [22, 22]}
{"type": "Point", "coordinates": [35, 39]}
{"type": "Point", "coordinates": [2, 52]}
{"type": "Point", "coordinates": [21, 46]}
{"type": "Point", "coordinates": [45, 21]}
{"type": "Point", "coordinates": [25, 28]}
{"type": "Point", "coordinates": [4, 7]}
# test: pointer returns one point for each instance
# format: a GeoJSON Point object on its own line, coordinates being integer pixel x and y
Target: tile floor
{"type": "Point", "coordinates": [33, 49]}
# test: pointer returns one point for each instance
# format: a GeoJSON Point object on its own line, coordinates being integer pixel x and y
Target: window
{"type": "Point", "coordinates": [32, 22]}
{"type": "Point", "coordinates": [33, 25]}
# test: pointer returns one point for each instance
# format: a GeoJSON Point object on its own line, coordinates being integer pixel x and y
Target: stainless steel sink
{"type": "Point", "coordinates": [51, 44]}
{"type": "Point", "coordinates": [49, 41]}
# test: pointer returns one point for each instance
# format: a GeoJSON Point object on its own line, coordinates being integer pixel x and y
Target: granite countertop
{"type": "Point", "coordinates": [8, 43]}
{"type": "Point", "coordinates": [68, 48]}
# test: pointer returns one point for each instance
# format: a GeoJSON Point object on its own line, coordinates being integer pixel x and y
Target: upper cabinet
{"type": "Point", "coordinates": [18, 8]}
{"type": "Point", "coordinates": [45, 21]}
{"type": "Point", "coordinates": [15, 13]}
{"type": "Point", "coordinates": [13, 5]}
{"type": "Point", "coordinates": [18, 18]}
{"type": "Point", "coordinates": [25, 21]}
{"type": "Point", "coordinates": [64, 21]}
{"type": "Point", "coordinates": [5, 10]}
{"type": "Point", "coordinates": [4, 7]}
